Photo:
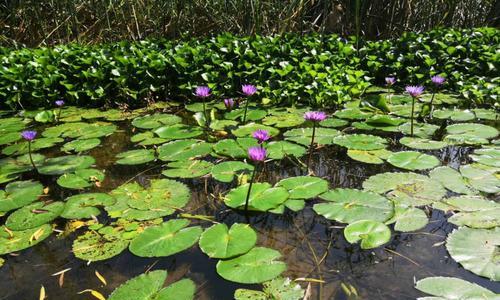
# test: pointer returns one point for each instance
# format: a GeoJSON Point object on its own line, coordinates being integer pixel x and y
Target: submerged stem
{"type": "Point", "coordinates": [311, 146]}
{"type": "Point", "coordinates": [250, 188]}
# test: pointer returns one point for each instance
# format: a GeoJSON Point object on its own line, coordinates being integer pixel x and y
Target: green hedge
{"type": "Point", "coordinates": [316, 69]}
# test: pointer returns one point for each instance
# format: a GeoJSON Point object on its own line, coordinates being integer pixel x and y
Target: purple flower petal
{"type": "Point", "coordinates": [261, 135]}
{"type": "Point", "coordinates": [315, 116]}
{"type": "Point", "coordinates": [202, 91]}
{"type": "Point", "coordinates": [248, 89]}
{"type": "Point", "coordinates": [29, 135]}
{"type": "Point", "coordinates": [257, 153]}
{"type": "Point", "coordinates": [415, 91]}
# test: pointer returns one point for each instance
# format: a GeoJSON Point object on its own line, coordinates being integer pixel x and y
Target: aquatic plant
{"type": "Point", "coordinates": [261, 136]}
{"type": "Point", "coordinates": [29, 136]}
{"type": "Point", "coordinates": [415, 92]}
{"type": "Point", "coordinates": [438, 81]}
{"type": "Point", "coordinates": [229, 103]}
{"type": "Point", "coordinates": [257, 155]}
{"type": "Point", "coordinates": [203, 92]}
{"type": "Point", "coordinates": [247, 90]}
{"type": "Point", "coordinates": [315, 117]}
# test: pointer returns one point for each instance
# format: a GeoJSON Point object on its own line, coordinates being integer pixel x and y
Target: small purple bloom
{"type": "Point", "coordinates": [29, 135]}
{"type": "Point", "coordinates": [59, 103]}
{"type": "Point", "coordinates": [261, 135]}
{"type": "Point", "coordinates": [248, 89]}
{"type": "Point", "coordinates": [315, 116]}
{"type": "Point", "coordinates": [229, 103]}
{"type": "Point", "coordinates": [202, 91]}
{"type": "Point", "coordinates": [257, 153]}
{"type": "Point", "coordinates": [415, 90]}
{"type": "Point", "coordinates": [438, 80]}
{"type": "Point", "coordinates": [390, 80]}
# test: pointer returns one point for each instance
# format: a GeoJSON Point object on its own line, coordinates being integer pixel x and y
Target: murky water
{"type": "Point", "coordinates": [313, 247]}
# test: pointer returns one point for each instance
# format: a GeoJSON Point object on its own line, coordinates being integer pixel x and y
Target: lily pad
{"type": "Point", "coordinates": [135, 157]}
{"type": "Point", "coordinates": [178, 131]}
{"type": "Point", "coordinates": [258, 265]}
{"type": "Point", "coordinates": [303, 187]}
{"type": "Point", "coordinates": [454, 114]}
{"type": "Point", "coordinates": [452, 180]}
{"type": "Point", "coordinates": [283, 120]}
{"type": "Point", "coordinates": [80, 145]}
{"type": "Point", "coordinates": [413, 160]}
{"type": "Point", "coordinates": [360, 142]}
{"type": "Point", "coordinates": [220, 242]}
{"type": "Point", "coordinates": [96, 245]}
{"type": "Point", "coordinates": [476, 250]}
{"type": "Point", "coordinates": [248, 129]}
{"type": "Point", "coordinates": [34, 215]}
{"type": "Point", "coordinates": [155, 121]}
{"type": "Point", "coordinates": [263, 197]}
{"type": "Point", "coordinates": [18, 194]}
{"type": "Point", "coordinates": [489, 157]}
{"type": "Point", "coordinates": [369, 157]}
{"type": "Point", "coordinates": [81, 179]}
{"type": "Point", "coordinates": [226, 171]}
{"type": "Point", "coordinates": [12, 241]}
{"type": "Point", "coordinates": [184, 150]}
{"type": "Point", "coordinates": [352, 114]}
{"type": "Point", "coordinates": [422, 144]}
{"type": "Point", "coordinates": [323, 136]}
{"type": "Point", "coordinates": [421, 130]}
{"type": "Point", "coordinates": [278, 288]}
{"type": "Point", "coordinates": [372, 234]}
{"type": "Point", "coordinates": [188, 169]}
{"type": "Point", "coordinates": [407, 218]}
{"type": "Point", "coordinates": [166, 239]}
{"type": "Point", "coordinates": [234, 148]}
{"type": "Point", "coordinates": [333, 123]}
{"type": "Point", "coordinates": [37, 144]}
{"type": "Point", "coordinates": [351, 205]}
{"type": "Point", "coordinates": [480, 179]}
{"type": "Point", "coordinates": [252, 114]}
{"type": "Point", "coordinates": [83, 206]}
{"type": "Point", "coordinates": [469, 133]}
{"type": "Point", "coordinates": [65, 164]}
{"type": "Point", "coordinates": [280, 149]}
{"type": "Point", "coordinates": [450, 288]}
{"type": "Point", "coordinates": [147, 138]}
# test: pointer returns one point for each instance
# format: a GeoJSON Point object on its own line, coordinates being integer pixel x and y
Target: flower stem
{"type": "Point", "coordinates": [311, 146]}
{"type": "Point", "coordinates": [31, 158]}
{"type": "Point", "coordinates": [250, 188]}
{"type": "Point", "coordinates": [59, 116]}
{"type": "Point", "coordinates": [431, 108]}
{"type": "Point", "coordinates": [205, 113]}
{"type": "Point", "coordinates": [246, 108]}
{"type": "Point", "coordinates": [411, 116]}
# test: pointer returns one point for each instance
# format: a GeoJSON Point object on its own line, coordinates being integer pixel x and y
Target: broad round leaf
{"type": "Point", "coordinates": [96, 246]}
{"type": "Point", "coordinates": [83, 206]}
{"type": "Point", "coordinates": [226, 171]}
{"type": "Point", "coordinates": [183, 150]}
{"type": "Point", "coordinates": [18, 194]}
{"type": "Point", "coordinates": [263, 197]}
{"type": "Point", "coordinates": [372, 234]}
{"type": "Point", "coordinates": [360, 142]}
{"type": "Point", "coordinates": [65, 164]}
{"type": "Point", "coordinates": [369, 157]}
{"type": "Point", "coordinates": [452, 180]}
{"type": "Point", "coordinates": [34, 215]}
{"type": "Point", "coordinates": [248, 129]}
{"type": "Point", "coordinates": [322, 136]}
{"type": "Point", "coordinates": [304, 187]}
{"type": "Point", "coordinates": [413, 160]}
{"type": "Point", "coordinates": [188, 169]}
{"type": "Point", "coordinates": [450, 288]}
{"type": "Point", "coordinates": [81, 179]}
{"type": "Point", "coordinates": [12, 241]}
{"type": "Point", "coordinates": [80, 145]}
{"type": "Point", "coordinates": [178, 131]}
{"type": "Point", "coordinates": [278, 150]}
{"type": "Point", "coordinates": [155, 121]}
{"type": "Point", "coordinates": [422, 144]}
{"type": "Point", "coordinates": [135, 157]}
{"type": "Point", "coordinates": [220, 242]}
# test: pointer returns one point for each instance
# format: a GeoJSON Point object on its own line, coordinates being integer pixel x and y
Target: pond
{"type": "Point", "coordinates": [363, 168]}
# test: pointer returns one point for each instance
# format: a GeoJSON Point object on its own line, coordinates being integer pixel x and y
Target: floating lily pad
{"type": "Point", "coordinates": [278, 288]}
{"type": "Point", "coordinates": [34, 215]}
{"type": "Point", "coordinates": [422, 144]}
{"type": "Point", "coordinates": [184, 150]}
{"type": "Point", "coordinates": [81, 179]}
{"type": "Point", "coordinates": [414, 189]}
{"type": "Point", "coordinates": [220, 242]}
{"type": "Point", "coordinates": [147, 138]}
{"type": "Point", "coordinates": [188, 169]}
{"type": "Point", "coordinates": [9, 137]}
{"type": "Point", "coordinates": [148, 286]}
{"type": "Point", "coordinates": [256, 266]}
{"type": "Point", "coordinates": [487, 218]}
{"type": "Point", "coordinates": [489, 157]}
{"type": "Point", "coordinates": [223, 124]}
{"type": "Point", "coordinates": [99, 245]}
{"type": "Point", "coordinates": [469, 133]}
{"type": "Point", "coordinates": [280, 149]}
{"type": "Point", "coordinates": [248, 129]}
{"type": "Point", "coordinates": [323, 136]}
{"type": "Point", "coordinates": [485, 114]}
{"type": "Point", "coordinates": [333, 123]}
{"type": "Point", "coordinates": [11, 168]}
{"type": "Point", "coordinates": [252, 114]}
{"type": "Point", "coordinates": [135, 157]}
{"type": "Point", "coordinates": [18, 194]}
{"type": "Point", "coordinates": [263, 197]}
{"type": "Point", "coordinates": [352, 114]}
{"type": "Point", "coordinates": [450, 288]}
{"type": "Point", "coordinates": [360, 142]}
{"type": "Point", "coordinates": [166, 239]}
{"type": "Point", "coordinates": [465, 204]}
{"type": "Point", "coordinates": [413, 160]}
{"type": "Point", "coordinates": [283, 120]}
{"type": "Point", "coordinates": [234, 148]}
{"type": "Point", "coordinates": [80, 145]}
{"type": "Point", "coordinates": [350, 205]}
{"type": "Point", "coordinates": [155, 121]}
{"type": "Point", "coordinates": [65, 164]}
{"type": "Point", "coordinates": [454, 114]}
{"type": "Point", "coordinates": [480, 179]}
{"type": "Point", "coordinates": [369, 157]}
{"type": "Point", "coordinates": [12, 241]}
{"type": "Point", "coordinates": [178, 131]}
{"type": "Point", "coordinates": [407, 218]}
{"type": "Point", "coordinates": [226, 171]}
{"type": "Point", "coordinates": [452, 180]}
{"type": "Point", "coordinates": [81, 130]}
{"type": "Point", "coordinates": [303, 187]}
{"type": "Point", "coordinates": [83, 206]}
{"type": "Point", "coordinates": [372, 234]}
{"type": "Point", "coordinates": [37, 144]}
{"type": "Point", "coordinates": [421, 130]}
{"type": "Point", "coordinates": [476, 250]}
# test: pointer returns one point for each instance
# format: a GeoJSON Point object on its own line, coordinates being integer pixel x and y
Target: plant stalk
{"type": "Point", "coordinates": [431, 107]}
{"type": "Point", "coordinates": [31, 158]}
{"type": "Point", "coordinates": [250, 188]}
{"type": "Point", "coordinates": [246, 108]}
{"type": "Point", "coordinates": [311, 146]}
{"type": "Point", "coordinates": [411, 117]}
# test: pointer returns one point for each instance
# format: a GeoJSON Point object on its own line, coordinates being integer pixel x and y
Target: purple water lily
{"type": "Point", "coordinates": [29, 135]}
{"type": "Point", "coordinates": [261, 135]}
{"type": "Point", "coordinates": [390, 81]}
{"type": "Point", "coordinates": [315, 116]}
{"type": "Point", "coordinates": [202, 91]}
{"type": "Point", "coordinates": [59, 103]}
{"type": "Point", "coordinates": [438, 80]}
{"type": "Point", "coordinates": [229, 103]}
{"type": "Point", "coordinates": [415, 90]}
{"type": "Point", "coordinates": [248, 89]}
{"type": "Point", "coordinates": [257, 154]}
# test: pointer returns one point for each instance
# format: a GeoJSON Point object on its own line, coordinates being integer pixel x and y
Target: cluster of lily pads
{"type": "Point", "coordinates": [214, 140]}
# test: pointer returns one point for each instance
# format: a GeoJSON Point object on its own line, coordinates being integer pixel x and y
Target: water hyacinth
{"type": "Point", "coordinates": [261, 135]}
{"type": "Point", "coordinates": [315, 117]}
{"type": "Point", "coordinates": [390, 81]}
{"type": "Point", "coordinates": [415, 91]}
{"type": "Point", "coordinates": [256, 154]}
{"type": "Point", "coordinates": [29, 135]}
{"type": "Point", "coordinates": [248, 90]}
{"type": "Point", "coordinates": [438, 82]}
{"type": "Point", "coordinates": [229, 103]}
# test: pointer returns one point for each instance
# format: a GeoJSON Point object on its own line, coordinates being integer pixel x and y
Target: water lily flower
{"type": "Point", "coordinates": [229, 103]}
{"type": "Point", "coordinates": [415, 90]}
{"type": "Point", "coordinates": [29, 135]}
{"type": "Point", "coordinates": [203, 91]}
{"type": "Point", "coordinates": [257, 154]}
{"type": "Point", "coordinates": [315, 116]}
{"type": "Point", "coordinates": [390, 81]}
{"type": "Point", "coordinates": [438, 80]}
{"type": "Point", "coordinates": [59, 103]}
{"type": "Point", "coordinates": [248, 89]}
{"type": "Point", "coordinates": [261, 135]}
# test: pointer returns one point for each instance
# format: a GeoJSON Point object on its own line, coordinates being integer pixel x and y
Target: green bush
{"type": "Point", "coordinates": [316, 69]}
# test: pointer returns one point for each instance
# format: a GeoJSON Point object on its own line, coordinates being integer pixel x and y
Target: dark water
{"type": "Point", "coordinates": [388, 272]}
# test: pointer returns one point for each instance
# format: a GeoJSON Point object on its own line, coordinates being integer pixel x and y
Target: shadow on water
{"type": "Point", "coordinates": [388, 272]}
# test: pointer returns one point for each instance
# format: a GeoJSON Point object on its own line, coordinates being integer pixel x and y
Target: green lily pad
{"type": "Point", "coordinates": [421, 130]}
{"type": "Point", "coordinates": [81, 179]}
{"type": "Point", "coordinates": [411, 188]}
{"type": "Point", "coordinates": [147, 138]}
{"type": "Point", "coordinates": [83, 206]}
{"type": "Point", "coordinates": [248, 129]}
{"type": "Point", "coordinates": [480, 179]}
{"type": "Point", "coordinates": [18, 194]}
{"type": "Point", "coordinates": [352, 114]}
{"type": "Point", "coordinates": [469, 133]}
{"type": "Point", "coordinates": [454, 114]}
{"type": "Point", "coordinates": [252, 114]}
{"type": "Point", "coordinates": [80, 130]}
{"type": "Point", "coordinates": [372, 234]}
{"type": "Point", "coordinates": [258, 265]}
{"type": "Point", "coordinates": [226, 171]}
{"type": "Point", "coordinates": [360, 142]}
{"type": "Point", "coordinates": [80, 145]}
{"type": "Point", "coordinates": [166, 239]}
{"type": "Point", "coordinates": [37, 144]}
{"type": "Point", "coordinates": [34, 215]}
{"type": "Point", "coordinates": [351, 205]}
{"type": "Point", "coordinates": [280, 149]}
{"type": "Point", "coordinates": [188, 169]}
{"type": "Point", "coordinates": [65, 164]}
{"type": "Point", "coordinates": [369, 127]}
{"type": "Point", "coordinates": [12, 241]}
{"type": "Point", "coordinates": [155, 121]}
{"type": "Point", "coordinates": [476, 250]}
{"type": "Point", "coordinates": [283, 120]}
{"type": "Point", "coordinates": [465, 204]}
{"type": "Point", "coordinates": [452, 180]}
{"type": "Point", "coordinates": [333, 123]}
{"type": "Point", "coordinates": [178, 131]}
{"type": "Point", "coordinates": [278, 288]}
{"type": "Point", "coordinates": [407, 218]}
{"type": "Point", "coordinates": [263, 197]}
{"type": "Point", "coordinates": [9, 137]}
{"type": "Point", "coordinates": [422, 144]}
{"type": "Point", "coordinates": [135, 157]}
{"type": "Point", "coordinates": [384, 120]}
{"type": "Point", "coordinates": [303, 187]}
{"type": "Point", "coordinates": [450, 288]}
{"type": "Point", "coordinates": [413, 160]}
{"type": "Point", "coordinates": [223, 124]}
{"type": "Point", "coordinates": [220, 242]}
{"type": "Point", "coordinates": [478, 219]}
{"type": "Point", "coordinates": [148, 286]}
{"type": "Point", "coordinates": [489, 157]}
{"type": "Point", "coordinates": [184, 150]}
{"type": "Point", "coordinates": [323, 136]}
{"type": "Point", "coordinates": [485, 114]}
{"type": "Point", "coordinates": [369, 157]}
{"type": "Point", "coordinates": [99, 245]}
{"type": "Point", "coordinates": [11, 168]}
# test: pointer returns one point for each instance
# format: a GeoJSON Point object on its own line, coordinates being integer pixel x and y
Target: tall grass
{"type": "Point", "coordinates": [34, 22]}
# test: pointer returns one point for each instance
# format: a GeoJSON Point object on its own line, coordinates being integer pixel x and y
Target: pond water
{"type": "Point", "coordinates": [313, 247]}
